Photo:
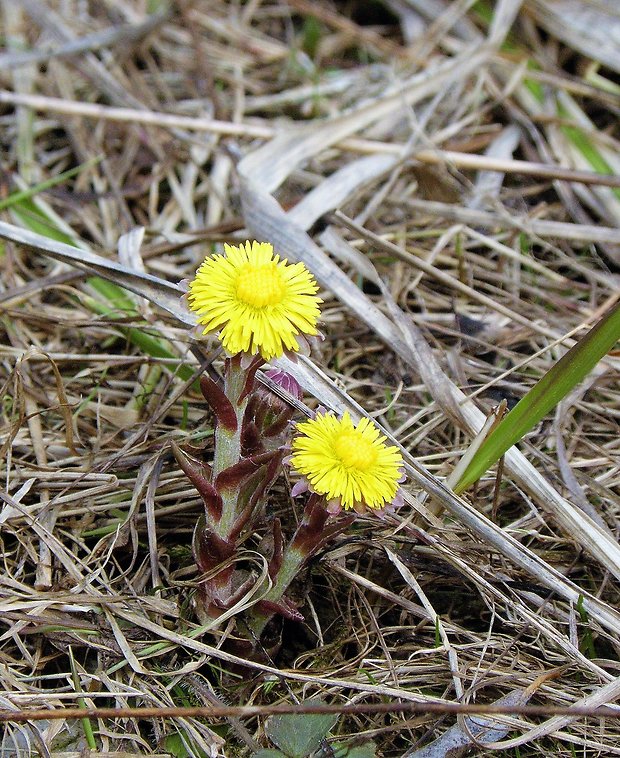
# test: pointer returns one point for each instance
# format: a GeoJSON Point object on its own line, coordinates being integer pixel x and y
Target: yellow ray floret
{"type": "Point", "coordinates": [258, 302]}
{"type": "Point", "coordinates": [351, 464]}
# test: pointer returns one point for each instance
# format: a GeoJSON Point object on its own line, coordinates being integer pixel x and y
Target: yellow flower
{"type": "Point", "coordinates": [259, 302]}
{"type": "Point", "coordinates": [347, 463]}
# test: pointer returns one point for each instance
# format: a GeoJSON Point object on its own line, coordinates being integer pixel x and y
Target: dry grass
{"type": "Point", "coordinates": [447, 286]}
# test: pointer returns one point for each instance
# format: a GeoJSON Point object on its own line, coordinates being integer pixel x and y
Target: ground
{"type": "Point", "coordinates": [450, 176]}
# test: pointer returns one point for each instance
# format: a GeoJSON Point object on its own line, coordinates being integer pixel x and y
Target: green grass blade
{"type": "Point", "coordinates": [118, 302]}
{"type": "Point", "coordinates": [571, 369]}
{"type": "Point", "coordinates": [17, 198]}
{"type": "Point", "coordinates": [576, 136]}
{"type": "Point", "coordinates": [87, 726]}
{"type": "Point", "coordinates": [119, 305]}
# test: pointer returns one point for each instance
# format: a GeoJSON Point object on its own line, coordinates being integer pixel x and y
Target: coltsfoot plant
{"type": "Point", "coordinates": [261, 307]}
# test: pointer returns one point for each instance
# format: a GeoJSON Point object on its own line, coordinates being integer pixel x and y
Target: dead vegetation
{"type": "Point", "coordinates": [450, 175]}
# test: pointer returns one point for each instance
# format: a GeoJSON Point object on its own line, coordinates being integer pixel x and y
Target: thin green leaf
{"type": "Point", "coordinates": [587, 643]}
{"type": "Point", "coordinates": [86, 723]}
{"type": "Point", "coordinates": [17, 198]}
{"type": "Point", "coordinates": [578, 137]}
{"type": "Point", "coordinates": [118, 309]}
{"type": "Point", "coordinates": [571, 369]}
{"type": "Point", "coordinates": [120, 303]}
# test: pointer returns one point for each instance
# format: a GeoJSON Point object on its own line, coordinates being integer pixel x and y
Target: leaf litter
{"type": "Point", "coordinates": [435, 165]}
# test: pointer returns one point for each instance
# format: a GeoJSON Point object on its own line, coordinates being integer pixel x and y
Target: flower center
{"type": "Point", "coordinates": [354, 451]}
{"type": "Point", "coordinates": [259, 286]}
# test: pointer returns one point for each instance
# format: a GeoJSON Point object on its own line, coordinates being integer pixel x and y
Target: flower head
{"type": "Point", "coordinates": [347, 463]}
{"type": "Point", "coordinates": [259, 302]}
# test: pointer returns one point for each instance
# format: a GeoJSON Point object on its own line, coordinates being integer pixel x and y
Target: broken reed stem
{"type": "Point", "coordinates": [214, 126]}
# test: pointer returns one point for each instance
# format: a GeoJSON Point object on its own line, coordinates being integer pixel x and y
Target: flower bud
{"type": "Point", "coordinates": [270, 412]}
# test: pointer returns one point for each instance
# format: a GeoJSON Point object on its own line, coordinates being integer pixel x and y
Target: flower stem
{"type": "Point", "coordinates": [292, 563]}
{"type": "Point", "coordinates": [309, 536]}
{"type": "Point", "coordinates": [228, 443]}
